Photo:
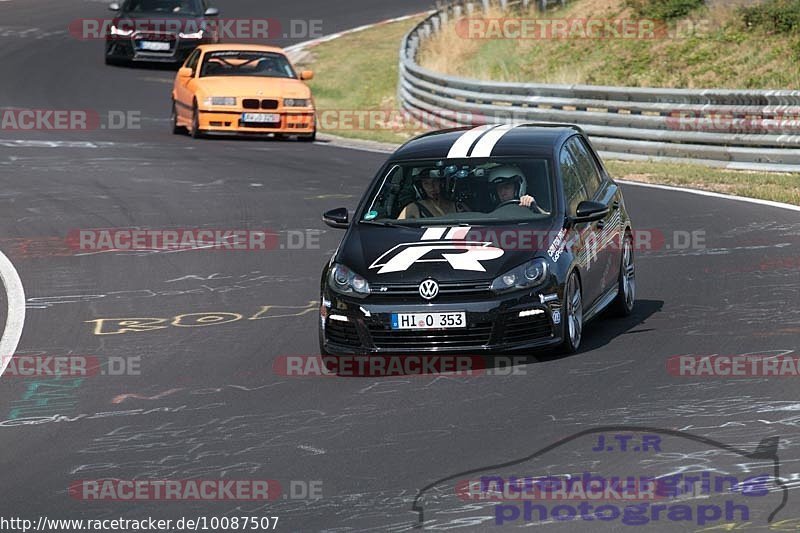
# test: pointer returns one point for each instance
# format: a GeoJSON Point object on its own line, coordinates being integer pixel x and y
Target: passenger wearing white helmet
{"type": "Point", "coordinates": [506, 182]}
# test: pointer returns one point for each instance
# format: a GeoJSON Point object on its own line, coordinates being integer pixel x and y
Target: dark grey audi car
{"type": "Point", "coordinates": [487, 239]}
{"type": "Point", "coordinates": [158, 31]}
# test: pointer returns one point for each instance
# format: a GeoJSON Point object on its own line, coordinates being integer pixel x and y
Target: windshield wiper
{"type": "Point", "coordinates": [385, 224]}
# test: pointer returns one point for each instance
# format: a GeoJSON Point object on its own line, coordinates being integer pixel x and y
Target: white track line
{"type": "Point", "coordinates": [16, 311]}
{"type": "Point", "coordinates": [699, 192]}
{"type": "Point", "coordinates": [313, 42]}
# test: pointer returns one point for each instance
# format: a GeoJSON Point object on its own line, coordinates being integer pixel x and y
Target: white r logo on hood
{"type": "Point", "coordinates": [402, 256]}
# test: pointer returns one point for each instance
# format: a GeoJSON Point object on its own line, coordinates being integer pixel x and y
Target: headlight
{"type": "Point", "coordinates": [220, 100]}
{"type": "Point", "coordinates": [195, 35]}
{"type": "Point", "coordinates": [295, 102]}
{"type": "Point", "coordinates": [345, 281]}
{"type": "Point", "coordinates": [120, 32]}
{"type": "Point", "coordinates": [525, 276]}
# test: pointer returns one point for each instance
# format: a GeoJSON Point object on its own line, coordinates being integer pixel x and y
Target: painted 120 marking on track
{"type": "Point", "coordinates": [117, 326]}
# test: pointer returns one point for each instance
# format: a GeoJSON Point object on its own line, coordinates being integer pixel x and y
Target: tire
{"type": "Point", "coordinates": [626, 297]}
{"type": "Point", "coordinates": [308, 138]}
{"type": "Point", "coordinates": [195, 130]}
{"type": "Point", "coordinates": [176, 130]}
{"type": "Point", "coordinates": [572, 315]}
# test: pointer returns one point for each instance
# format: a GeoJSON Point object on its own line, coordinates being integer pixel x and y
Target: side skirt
{"type": "Point", "coordinates": [601, 304]}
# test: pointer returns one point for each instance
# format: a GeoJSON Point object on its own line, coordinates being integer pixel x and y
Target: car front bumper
{"type": "Point", "coordinates": [127, 49]}
{"type": "Point", "coordinates": [291, 122]}
{"type": "Point", "coordinates": [494, 325]}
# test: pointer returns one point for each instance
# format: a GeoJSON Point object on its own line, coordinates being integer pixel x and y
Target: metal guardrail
{"type": "Point", "coordinates": [740, 129]}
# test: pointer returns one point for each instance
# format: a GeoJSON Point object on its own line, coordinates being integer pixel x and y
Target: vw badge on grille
{"type": "Point", "coordinates": [428, 289]}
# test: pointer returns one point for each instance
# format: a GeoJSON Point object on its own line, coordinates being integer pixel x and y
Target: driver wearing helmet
{"type": "Point", "coordinates": [433, 202]}
{"type": "Point", "coordinates": [506, 184]}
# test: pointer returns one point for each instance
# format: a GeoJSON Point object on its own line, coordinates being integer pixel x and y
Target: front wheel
{"type": "Point", "coordinates": [308, 138]}
{"type": "Point", "coordinates": [572, 315]}
{"type": "Point", "coordinates": [195, 132]}
{"type": "Point", "coordinates": [626, 295]}
{"type": "Point", "coordinates": [176, 129]}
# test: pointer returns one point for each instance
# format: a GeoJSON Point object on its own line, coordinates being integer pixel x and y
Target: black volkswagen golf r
{"type": "Point", "coordinates": [479, 240]}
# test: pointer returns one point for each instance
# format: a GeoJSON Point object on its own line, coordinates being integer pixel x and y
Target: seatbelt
{"type": "Point", "coordinates": [424, 211]}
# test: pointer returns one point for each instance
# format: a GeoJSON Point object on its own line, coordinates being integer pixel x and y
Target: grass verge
{"type": "Point", "coordinates": [778, 187]}
{"type": "Point", "coordinates": [358, 72]}
{"type": "Point", "coordinates": [712, 47]}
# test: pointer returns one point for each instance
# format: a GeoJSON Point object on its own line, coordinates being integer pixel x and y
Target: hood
{"type": "Point", "coordinates": [250, 86]}
{"type": "Point", "coordinates": [478, 253]}
{"type": "Point", "coordinates": [158, 22]}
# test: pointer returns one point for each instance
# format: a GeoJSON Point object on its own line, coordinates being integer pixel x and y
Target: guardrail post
{"type": "Point", "coordinates": [485, 5]}
{"type": "Point", "coordinates": [504, 5]}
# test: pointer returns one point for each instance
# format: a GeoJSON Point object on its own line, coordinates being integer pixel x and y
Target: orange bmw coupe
{"type": "Point", "coordinates": [239, 89]}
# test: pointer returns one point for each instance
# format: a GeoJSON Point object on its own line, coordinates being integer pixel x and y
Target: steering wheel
{"type": "Point", "coordinates": [507, 202]}
{"type": "Point", "coordinates": [534, 206]}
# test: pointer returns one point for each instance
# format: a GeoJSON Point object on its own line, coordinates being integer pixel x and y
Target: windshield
{"type": "Point", "coordinates": [174, 7]}
{"type": "Point", "coordinates": [260, 64]}
{"type": "Point", "coordinates": [479, 191]}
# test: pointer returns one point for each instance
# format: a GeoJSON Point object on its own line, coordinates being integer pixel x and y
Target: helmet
{"type": "Point", "coordinates": [428, 173]}
{"type": "Point", "coordinates": [505, 174]}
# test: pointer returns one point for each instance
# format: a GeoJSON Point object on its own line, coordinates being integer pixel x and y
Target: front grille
{"type": "Point", "coordinates": [254, 103]}
{"type": "Point", "coordinates": [526, 329]}
{"type": "Point", "coordinates": [265, 125]}
{"type": "Point", "coordinates": [446, 290]}
{"type": "Point", "coordinates": [474, 336]}
{"type": "Point", "coordinates": [343, 333]}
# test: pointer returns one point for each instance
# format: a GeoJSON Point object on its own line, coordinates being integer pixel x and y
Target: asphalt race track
{"type": "Point", "coordinates": [207, 403]}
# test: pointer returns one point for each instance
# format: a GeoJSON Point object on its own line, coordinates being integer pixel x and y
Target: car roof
{"type": "Point", "coordinates": [533, 139]}
{"type": "Point", "coordinates": [240, 47]}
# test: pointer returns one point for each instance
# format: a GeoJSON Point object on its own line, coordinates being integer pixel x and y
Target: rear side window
{"type": "Point", "coordinates": [587, 169]}
{"type": "Point", "coordinates": [574, 190]}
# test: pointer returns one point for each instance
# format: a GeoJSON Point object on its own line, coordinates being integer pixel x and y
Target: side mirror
{"type": "Point", "coordinates": [185, 72]}
{"type": "Point", "coordinates": [589, 211]}
{"type": "Point", "coordinates": [211, 12]}
{"type": "Point", "coordinates": [113, 6]}
{"type": "Point", "coordinates": [307, 75]}
{"type": "Point", "coordinates": [337, 218]}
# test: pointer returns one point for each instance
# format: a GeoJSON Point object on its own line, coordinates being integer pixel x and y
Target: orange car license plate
{"type": "Point", "coordinates": [260, 117]}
